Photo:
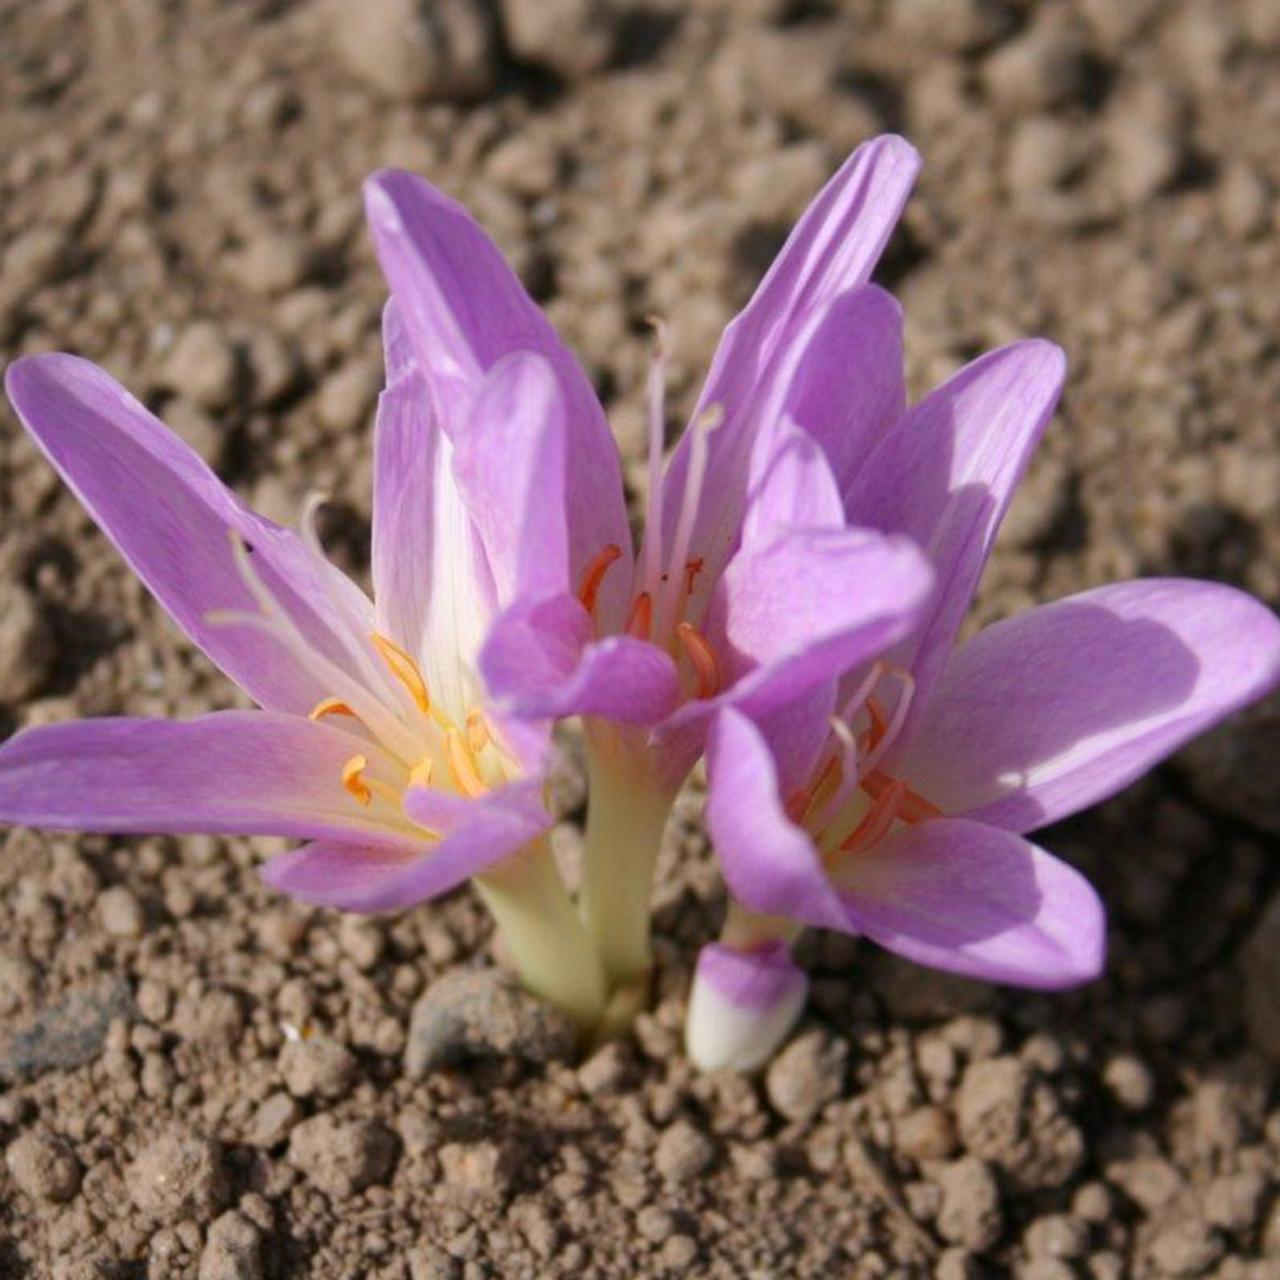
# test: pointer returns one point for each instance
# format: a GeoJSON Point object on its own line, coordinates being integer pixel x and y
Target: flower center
{"type": "Point", "coordinates": [852, 803]}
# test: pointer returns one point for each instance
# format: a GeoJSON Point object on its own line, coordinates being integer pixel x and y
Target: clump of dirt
{"type": "Point", "coordinates": [201, 1079]}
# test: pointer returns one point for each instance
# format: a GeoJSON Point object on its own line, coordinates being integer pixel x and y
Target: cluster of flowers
{"type": "Point", "coordinates": [793, 611]}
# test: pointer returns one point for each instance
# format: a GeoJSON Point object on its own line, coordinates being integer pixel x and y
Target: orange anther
{"type": "Point", "coordinates": [702, 657]}
{"type": "Point", "coordinates": [691, 570]}
{"type": "Point", "coordinates": [594, 575]}
{"type": "Point", "coordinates": [912, 807]}
{"type": "Point", "coordinates": [329, 707]}
{"type": "Point", "coordinates": [879, 721]}
{"type": "Point", "coordinates": [462, 768]}
{"type": "Point", "coordinates": [477, 731]}
{"type": "Point", "coordinates": [640, 619]}
{"type": "Point", "coordinates": [797, 803]}
{"type": "Point", "coordinates": [353, 779]}
{"type": "Point", "coordinates": [404, 668]}
{"type": "Point", "coordinates": [878, 819]}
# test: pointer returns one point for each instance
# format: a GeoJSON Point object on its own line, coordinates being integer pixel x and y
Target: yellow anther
{"type": "Point", "coordinates": [329, 707]}
{"type": "Point", "coordinates": [477, 731]}
{"type": "Point", "coordinates": [702, 657]}
{"type": "Point", "coordinates": [353, 779]}
{"type": "Point", "coordinates": [462, 767]}
{"type": "Point", "coordinates": [420, 774]}
{"type": "Point", "coordinates": [403, 667]}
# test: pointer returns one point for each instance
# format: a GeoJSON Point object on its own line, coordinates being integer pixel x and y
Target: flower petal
{"type": "Point", "coordinates": [540, 660]}
{"type": "Point", "coordinates": [172, 519]}
{"type": "Point", "coordinates": [742, 1005]}
{"type": "Point", "coordinates": [769, 863]}
{"type": "Point", "coordinates": [1059, 707]}
{"type": "Point", "coordinates": [832, 249]}
{"type": "Point", "coordinates": [944, 476]}
{"type": "Point", "coordinates": [978, 901]}
{"type": "Point", "coordinates": [809, 605]}
{"type": "Point", "coordinates": [464, 310]}
{"type": "Point", "coordinates": [230, 773]}
{"type": "Point", "coordinates": [480, 833]}
{"type": "Point", "coordinates": [793, 487]}
{"type": "Point", "coordinates": [510, 463]}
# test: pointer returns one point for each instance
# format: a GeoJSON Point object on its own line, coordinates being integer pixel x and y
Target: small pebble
{"type": "Point", "coordinates": [120, 912]}
{"type": "Point", "coordinates": [44, 1167]}
{"type": "Point", "coordinates": [807, 1075]}
{"type": "Point", "coordinates": [683, 1152]}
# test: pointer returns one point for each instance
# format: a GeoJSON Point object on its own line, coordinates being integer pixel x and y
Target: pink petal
{"type": "Point", "coordinates": [1057, 708]}
{"type": "Point", "coordinates": [172, 519]}
{"type": "Point", "coordinates": [945, 475]}
{"type": "Point", "coordinates": [977, 901]}
{"type": "Point", "coordinates": [230, 773]}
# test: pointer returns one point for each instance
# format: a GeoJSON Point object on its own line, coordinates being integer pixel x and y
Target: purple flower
{"type": "Point", "coordinates": [376, 742]}
{"type": "Point", "coordinates": [895, 802]}
{"type": "Point", "coordinates": [743, 593]}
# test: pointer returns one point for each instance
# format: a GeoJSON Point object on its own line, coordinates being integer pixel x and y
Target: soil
{"type": "Point", "coordinates": [201, 1079]}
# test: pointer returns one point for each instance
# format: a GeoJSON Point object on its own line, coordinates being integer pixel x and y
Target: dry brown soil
{"type": "Point", "coordinates": [201, 1079]}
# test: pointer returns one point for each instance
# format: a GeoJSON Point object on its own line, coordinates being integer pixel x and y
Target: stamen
{"type": "Point", "coordinates": [884, 734]}
{"type": "Point", "coordinates": [353, 779]}
{"type": "Point", "coordinates": [797, 803]}
{"type": "Point", "coordinates": [329, 707]}
{"type": "Point", "coordinates": [478, 735]}
{"type": "Point", "coordinates": [462, 768]}
{"type": "Point", "coordinates": [420, 774]}
{"type": "Point", "coordinates": [699, 455]}
{"type": "Point", "coordinates": [656, 396]}
{"type": "Point", "coordinates": [913, 808]}
{"type": "Point", "coordinates": [640, 619]}
{"type": "Point", "coordinates": [594, 576]}
{"type": "Point", "coordinates": [307, 522]}
{"type": "Point", "coordinates": [403, 667]}
{"type": "Point", "coordinates": [879, 722]}
{"type": "Point", "coordinates": [691, 571]}
{"type": "Point", "coordinates": [702, 656]}
{"type": "Point", "coordinates": [878, 819]}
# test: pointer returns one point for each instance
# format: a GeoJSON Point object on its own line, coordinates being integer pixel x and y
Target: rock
{"type": "Point", "coordinates": [178, 1176]}
{"type": "Point", "coordinates": [1044, 153]}
{"type": "Point", "coordinates": [120, 913]}
{"type": "Point", "coordinates": [271, 1122]}
{"type": "Point", "coordinates": [317, 1068]}
{"type": "Point", "coordinates": [683, 1152]}
{"type": "Point", "coordinates": [1041, 68]}
{"type": "Point", "coordinates": [427, 1262]}
{"type": "Point", "coordinates": [926, 1133]}
{"type": "Point", "coordinates": [1234, 1200]}
{"type": "Point", "coordinates": [202, 366]}
{"type": "Point", "coordinates": [1244, 200]}
{"type": "Point", "coordinates": [957, 26]}
{"type": "Point", "coordinates": [571, 37]}
{"type": "Point", "coordinates": [66, 1035]}
{"type": "Point", "coordinates": [197, 428]}
{"type": "Point", "coordinates": [273, 369]}
{"type": "Point", "coordinates": [1151, 1182]}
{"type": "Point", "coordinates": [1184, 1246]}
{"type": "Point", "coordinates": [342, 1158]}
{"type": "Point", "coordinates": [1130, 1081]}
{"type": "Point", "coordinates": [272, 263]}
{"type": "Point", "coordinates": [480, 1168]}
{"type": "Point", "coordinates": [807, 1075]}
{"type": "Point", "coordinates": [34, 258]}
{"type": "Point", "coordinates": [1057, 1235]}
{"type": "Point", "coordinates": [1039, 505]}
{"type": "Point", "coordinates": [606, 1071]}
{"type": "Point", "coordinates": [44, 1167]}
{"type": "Point", "coordinates": [347, 396]}
{"type": "Point", "coordinates": [26, 647]}
{"type": "Point", "coordinates": [233, 1250]}
{"type": "Point", "coordinates": [483, 1013]}
{"type": "Point", "coordinates": [970, 1213]}
{"type": "Point", "coordinates": [407, 50]}
{"type": "Point", "coordinates": [1013, 1120]}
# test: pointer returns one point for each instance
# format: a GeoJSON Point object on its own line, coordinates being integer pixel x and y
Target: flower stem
{"type": "Point", "coordinates": [625, 821]}
{"type": "Point", "coordinates": [551, 951]}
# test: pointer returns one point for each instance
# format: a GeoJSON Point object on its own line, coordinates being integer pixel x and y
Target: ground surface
{"type": "Point", "coordinates": [178, 200]}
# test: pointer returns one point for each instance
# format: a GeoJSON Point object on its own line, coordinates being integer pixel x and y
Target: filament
{"type": "Point", "coordinates": [702, 657]}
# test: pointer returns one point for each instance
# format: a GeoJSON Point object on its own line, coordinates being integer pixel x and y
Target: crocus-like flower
{"type": "Point", "coordinates": [902, 816]}
{"type": "Point", "coordinates": [734, 599]}
{"type": "Point", "coordinates": [376, 742]}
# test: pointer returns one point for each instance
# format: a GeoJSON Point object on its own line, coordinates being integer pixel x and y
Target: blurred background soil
{"type": "Point", "coordinates": [201, 1079]}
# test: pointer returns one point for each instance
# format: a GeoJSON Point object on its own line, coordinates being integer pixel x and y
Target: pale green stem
{"type": "Point", "coordinates": [551, 951]}
{"type": "Point", "coordinates": [626, 817]}
{"type": "Point", "coordinates": [745, 930]}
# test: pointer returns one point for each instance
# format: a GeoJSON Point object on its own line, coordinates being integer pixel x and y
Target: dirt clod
{"type": "Point", "coordinates": [806, 1075]}
{"type": "Point", "coordinates": [342, 1158]}
{"type": "Point", "coordinates": [179, 1176]}
{"type": "Point", "coordinates": [44, 1167]}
